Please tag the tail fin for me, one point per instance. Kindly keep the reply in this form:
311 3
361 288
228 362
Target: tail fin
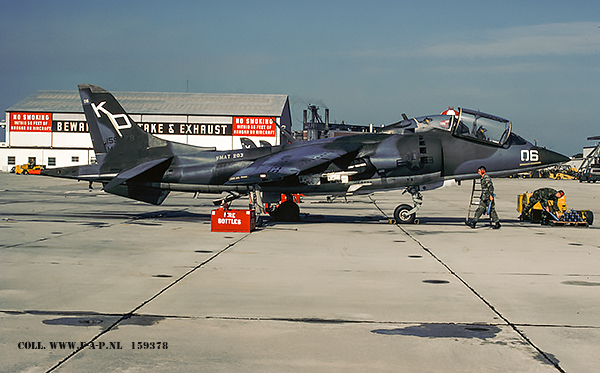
114 134
123 148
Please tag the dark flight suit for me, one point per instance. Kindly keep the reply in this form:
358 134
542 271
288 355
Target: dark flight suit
487 190
542 195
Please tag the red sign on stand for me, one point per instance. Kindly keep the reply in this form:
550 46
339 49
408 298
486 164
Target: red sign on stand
222 220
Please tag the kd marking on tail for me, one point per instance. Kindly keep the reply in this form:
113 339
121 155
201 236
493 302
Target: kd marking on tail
113 118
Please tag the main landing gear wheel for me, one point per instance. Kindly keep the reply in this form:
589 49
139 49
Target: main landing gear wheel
402 216
287 211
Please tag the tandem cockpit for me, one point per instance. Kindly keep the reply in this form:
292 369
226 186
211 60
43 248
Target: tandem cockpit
465 123
482 127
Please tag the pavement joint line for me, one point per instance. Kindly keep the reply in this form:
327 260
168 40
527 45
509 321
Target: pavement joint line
108 225
309 320
488 304
127 221
132 312
53 236
299 320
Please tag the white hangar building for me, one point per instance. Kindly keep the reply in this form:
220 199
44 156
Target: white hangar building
50 127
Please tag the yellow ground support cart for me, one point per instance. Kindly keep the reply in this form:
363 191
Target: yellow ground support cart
565 217
28 169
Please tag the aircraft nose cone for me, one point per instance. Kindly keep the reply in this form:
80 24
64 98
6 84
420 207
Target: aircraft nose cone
551 157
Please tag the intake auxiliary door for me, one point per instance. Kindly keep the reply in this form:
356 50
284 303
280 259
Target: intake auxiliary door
430 155
408 155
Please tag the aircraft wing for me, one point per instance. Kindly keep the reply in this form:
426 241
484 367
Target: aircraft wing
286 163
160 164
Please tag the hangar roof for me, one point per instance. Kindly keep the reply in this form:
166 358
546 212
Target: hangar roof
161 103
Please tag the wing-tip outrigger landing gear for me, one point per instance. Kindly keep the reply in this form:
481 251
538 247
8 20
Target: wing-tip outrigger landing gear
405 213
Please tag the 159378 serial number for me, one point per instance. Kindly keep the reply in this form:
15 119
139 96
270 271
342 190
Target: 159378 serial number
149 345
92 345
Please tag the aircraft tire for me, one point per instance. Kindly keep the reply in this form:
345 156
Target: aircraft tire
401 214
589 217
288 211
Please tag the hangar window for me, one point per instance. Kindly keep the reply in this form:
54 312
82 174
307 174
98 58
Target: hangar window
74 159
51 161
12 160
482 127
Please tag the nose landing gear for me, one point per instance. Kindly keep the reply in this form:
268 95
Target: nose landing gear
406 214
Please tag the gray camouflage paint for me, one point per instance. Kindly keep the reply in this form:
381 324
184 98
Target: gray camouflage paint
135 164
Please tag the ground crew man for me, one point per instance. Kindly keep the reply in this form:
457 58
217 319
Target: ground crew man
543 195
486 201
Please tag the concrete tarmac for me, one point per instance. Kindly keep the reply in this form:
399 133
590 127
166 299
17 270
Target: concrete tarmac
95 282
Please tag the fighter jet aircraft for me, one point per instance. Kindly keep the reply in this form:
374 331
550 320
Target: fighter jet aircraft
417 154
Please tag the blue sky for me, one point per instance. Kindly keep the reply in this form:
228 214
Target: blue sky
536 63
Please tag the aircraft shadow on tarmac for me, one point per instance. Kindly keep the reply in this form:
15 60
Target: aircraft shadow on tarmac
173 215
341 219
143 218
483 222
335 219
95 218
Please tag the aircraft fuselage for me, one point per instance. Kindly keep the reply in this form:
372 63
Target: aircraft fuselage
420 152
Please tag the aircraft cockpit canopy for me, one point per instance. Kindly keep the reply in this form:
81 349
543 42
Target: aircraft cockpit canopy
482 127
470 124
